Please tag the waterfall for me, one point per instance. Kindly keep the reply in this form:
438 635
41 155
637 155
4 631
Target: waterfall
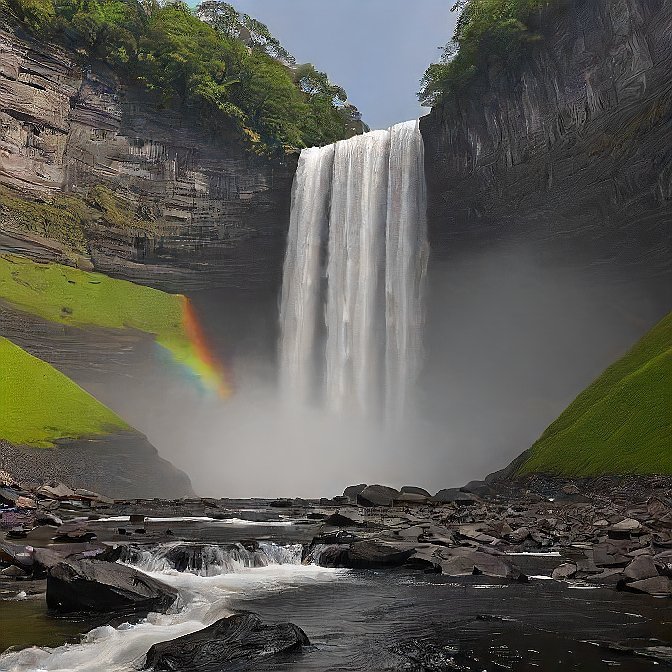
352 310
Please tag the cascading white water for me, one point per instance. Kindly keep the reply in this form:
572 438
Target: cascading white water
205 590
351 324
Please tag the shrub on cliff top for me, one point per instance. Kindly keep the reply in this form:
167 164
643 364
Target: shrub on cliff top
225 66
485 30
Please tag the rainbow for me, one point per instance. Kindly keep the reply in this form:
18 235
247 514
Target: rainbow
189 351
213 373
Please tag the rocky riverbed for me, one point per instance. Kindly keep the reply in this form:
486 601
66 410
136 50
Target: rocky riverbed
537 574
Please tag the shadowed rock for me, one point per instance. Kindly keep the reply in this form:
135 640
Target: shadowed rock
98 586
352 491
238 643
377 495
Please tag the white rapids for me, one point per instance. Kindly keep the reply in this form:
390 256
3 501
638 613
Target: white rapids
352 298
204 597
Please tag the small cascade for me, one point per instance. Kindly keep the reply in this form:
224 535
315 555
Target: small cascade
352 298
210 559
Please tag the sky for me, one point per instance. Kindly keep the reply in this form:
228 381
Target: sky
376 49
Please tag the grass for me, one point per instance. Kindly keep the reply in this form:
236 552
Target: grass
84 299
40 405
621 424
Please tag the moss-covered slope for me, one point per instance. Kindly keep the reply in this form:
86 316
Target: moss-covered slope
83 299
621 424
39 405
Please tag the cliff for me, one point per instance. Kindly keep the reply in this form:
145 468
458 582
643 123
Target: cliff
212 212
574 139
550 213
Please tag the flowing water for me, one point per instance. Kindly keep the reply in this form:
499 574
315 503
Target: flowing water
205 595
352 299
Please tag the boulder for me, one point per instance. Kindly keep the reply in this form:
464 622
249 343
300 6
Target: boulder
15 554
282 504
55 491
414 490
99 586
658 586
520 535
462 562
478 488
23 502
240 642
410 499
352 491
339 520
641 568
328 555
14 572
564 571
370 554
377 495
454 496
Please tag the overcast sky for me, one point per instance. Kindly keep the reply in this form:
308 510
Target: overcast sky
376 49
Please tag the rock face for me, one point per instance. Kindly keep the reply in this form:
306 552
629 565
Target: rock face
238 642
92 585
217 206
553 173
576 136
122 465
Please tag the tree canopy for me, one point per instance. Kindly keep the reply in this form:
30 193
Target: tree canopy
224 64
485 30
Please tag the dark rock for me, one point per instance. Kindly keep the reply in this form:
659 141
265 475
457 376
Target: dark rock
98 586
15 554
47 518
565 571
17 533
136 519
316 516
239 642
77 534
478 488
371 554
658 586
339 520
282 503
454 496
413 490
352 491
462 562
14 572
641 568
410 499
377 495
328 555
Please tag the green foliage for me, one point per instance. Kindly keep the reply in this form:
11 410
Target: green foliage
225 66
485 30
40 405
622 423
66 219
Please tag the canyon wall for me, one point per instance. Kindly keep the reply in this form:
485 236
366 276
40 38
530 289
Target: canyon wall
219 212
574 138
550 220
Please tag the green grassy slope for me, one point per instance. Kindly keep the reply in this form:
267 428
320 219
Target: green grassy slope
621 424
39 405
83 299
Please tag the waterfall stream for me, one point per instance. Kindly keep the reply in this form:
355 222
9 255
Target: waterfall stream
352 298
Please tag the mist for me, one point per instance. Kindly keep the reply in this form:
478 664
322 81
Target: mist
511 337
